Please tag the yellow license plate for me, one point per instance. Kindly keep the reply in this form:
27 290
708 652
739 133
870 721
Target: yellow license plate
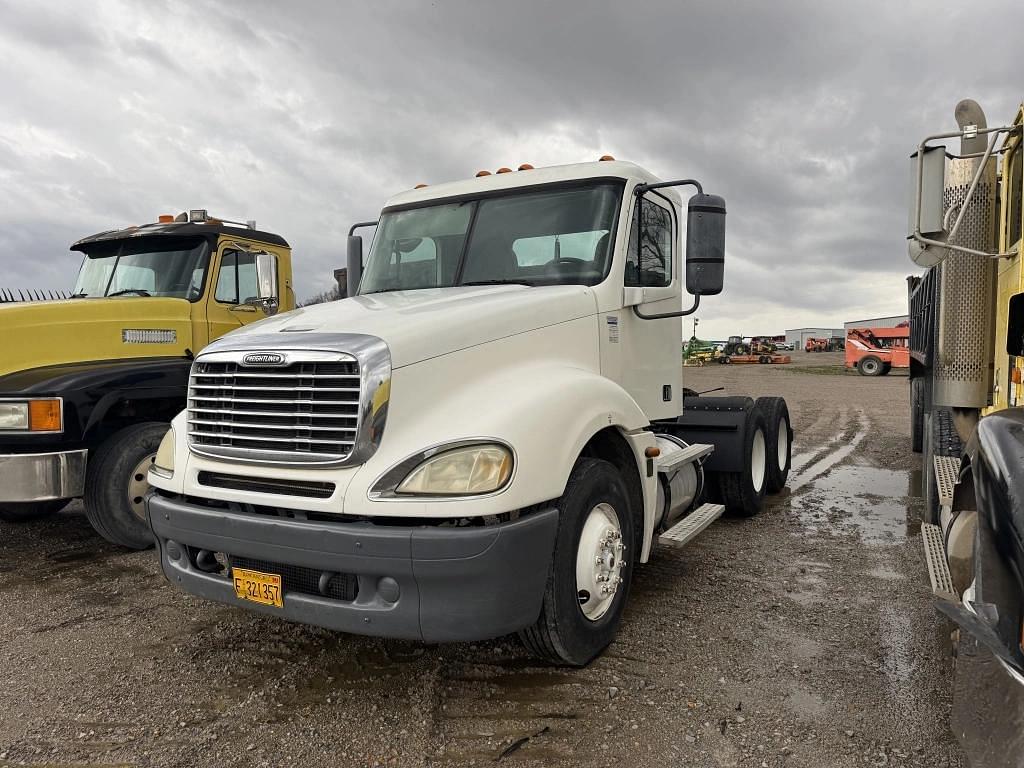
258 587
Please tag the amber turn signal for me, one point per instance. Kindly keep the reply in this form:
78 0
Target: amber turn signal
1015 375
653 452
44 415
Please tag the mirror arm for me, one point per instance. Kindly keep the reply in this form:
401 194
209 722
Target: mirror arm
360 225
642 188
684 313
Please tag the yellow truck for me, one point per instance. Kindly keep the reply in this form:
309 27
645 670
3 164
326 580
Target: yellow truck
967 413
89 384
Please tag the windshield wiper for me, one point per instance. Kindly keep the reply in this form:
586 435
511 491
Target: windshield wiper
509 281
78 295
140 291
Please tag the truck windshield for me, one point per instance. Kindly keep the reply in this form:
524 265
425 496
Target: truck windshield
172 267
552 237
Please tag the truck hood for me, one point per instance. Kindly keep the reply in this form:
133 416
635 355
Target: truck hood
418 325
46 333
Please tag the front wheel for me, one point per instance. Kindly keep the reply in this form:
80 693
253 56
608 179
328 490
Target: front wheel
116 484
591 568
22 512
869 366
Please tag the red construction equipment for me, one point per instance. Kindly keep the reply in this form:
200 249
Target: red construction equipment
816 345
876 351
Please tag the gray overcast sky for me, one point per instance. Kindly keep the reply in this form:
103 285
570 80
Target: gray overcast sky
306 116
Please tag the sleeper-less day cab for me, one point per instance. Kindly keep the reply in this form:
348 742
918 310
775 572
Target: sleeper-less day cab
89 384
487 438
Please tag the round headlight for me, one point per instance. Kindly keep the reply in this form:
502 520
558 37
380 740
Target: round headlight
466 471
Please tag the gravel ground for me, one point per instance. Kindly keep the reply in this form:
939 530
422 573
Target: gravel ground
802 637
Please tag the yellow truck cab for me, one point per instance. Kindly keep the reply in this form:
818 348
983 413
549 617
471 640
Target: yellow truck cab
89 384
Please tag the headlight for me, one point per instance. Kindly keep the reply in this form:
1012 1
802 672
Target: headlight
32 416
473 469
14 416
163 464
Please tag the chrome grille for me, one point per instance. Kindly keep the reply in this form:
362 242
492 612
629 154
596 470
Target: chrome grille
303 412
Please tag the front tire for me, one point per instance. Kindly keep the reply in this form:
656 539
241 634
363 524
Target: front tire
869 366
780 442
22 512
116 485
591 568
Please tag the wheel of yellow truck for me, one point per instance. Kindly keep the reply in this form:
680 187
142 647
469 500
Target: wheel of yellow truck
22 512
116 485
591 568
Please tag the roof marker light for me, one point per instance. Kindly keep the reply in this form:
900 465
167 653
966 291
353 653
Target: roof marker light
165 218
419 186
482 173
525 167
605 158
503 169
198 215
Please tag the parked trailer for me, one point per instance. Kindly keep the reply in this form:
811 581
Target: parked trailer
487 438
967 415
876 351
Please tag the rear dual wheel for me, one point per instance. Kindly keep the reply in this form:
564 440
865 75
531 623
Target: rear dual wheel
779 443
743 492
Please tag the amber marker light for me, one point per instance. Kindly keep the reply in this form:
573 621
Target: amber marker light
605 158
419 186
652 452
44 416
504 170
525 167
165 218
482 173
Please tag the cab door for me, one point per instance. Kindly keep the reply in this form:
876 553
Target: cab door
244 289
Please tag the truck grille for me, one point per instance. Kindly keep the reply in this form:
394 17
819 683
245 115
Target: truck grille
304 412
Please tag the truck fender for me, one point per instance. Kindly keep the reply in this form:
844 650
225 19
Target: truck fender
719 421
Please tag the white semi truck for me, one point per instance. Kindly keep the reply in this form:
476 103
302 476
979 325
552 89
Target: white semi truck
487 437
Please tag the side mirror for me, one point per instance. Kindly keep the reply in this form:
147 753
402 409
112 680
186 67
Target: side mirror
266 281
354 263
926 209
705 245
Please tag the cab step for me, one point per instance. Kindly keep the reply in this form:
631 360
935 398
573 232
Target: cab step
687 529
935 557
947 473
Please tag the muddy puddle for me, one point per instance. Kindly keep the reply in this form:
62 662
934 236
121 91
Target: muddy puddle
882 506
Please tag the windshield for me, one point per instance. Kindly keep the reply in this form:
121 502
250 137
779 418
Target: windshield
166 267
557 237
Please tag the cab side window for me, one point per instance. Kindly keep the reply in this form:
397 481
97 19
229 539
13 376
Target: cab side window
650 264
236 282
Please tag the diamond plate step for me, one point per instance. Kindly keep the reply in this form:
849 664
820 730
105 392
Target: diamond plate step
947 472
687 529
935 557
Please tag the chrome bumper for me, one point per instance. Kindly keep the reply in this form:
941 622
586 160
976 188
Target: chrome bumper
42 476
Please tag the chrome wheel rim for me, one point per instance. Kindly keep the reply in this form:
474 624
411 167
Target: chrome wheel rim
783 443
758 455
600 559
138 485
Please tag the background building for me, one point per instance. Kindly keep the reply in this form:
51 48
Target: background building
877 322
799 336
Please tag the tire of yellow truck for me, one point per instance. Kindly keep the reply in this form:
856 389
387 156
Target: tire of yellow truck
779 442
115 484
22 512
591 568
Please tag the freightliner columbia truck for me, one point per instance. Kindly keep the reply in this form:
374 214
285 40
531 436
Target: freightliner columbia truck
967 414
88 385
487 438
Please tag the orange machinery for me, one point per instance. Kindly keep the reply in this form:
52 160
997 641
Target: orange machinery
876 351
816 345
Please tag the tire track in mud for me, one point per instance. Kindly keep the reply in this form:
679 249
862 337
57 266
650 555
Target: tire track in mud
837 448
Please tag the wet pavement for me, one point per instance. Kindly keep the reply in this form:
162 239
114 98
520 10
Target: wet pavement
802 637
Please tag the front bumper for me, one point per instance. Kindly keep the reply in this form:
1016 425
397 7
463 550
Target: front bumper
428 583
27 477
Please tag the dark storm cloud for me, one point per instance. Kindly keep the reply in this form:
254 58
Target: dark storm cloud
307 116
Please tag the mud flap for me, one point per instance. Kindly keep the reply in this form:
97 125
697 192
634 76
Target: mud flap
718 421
